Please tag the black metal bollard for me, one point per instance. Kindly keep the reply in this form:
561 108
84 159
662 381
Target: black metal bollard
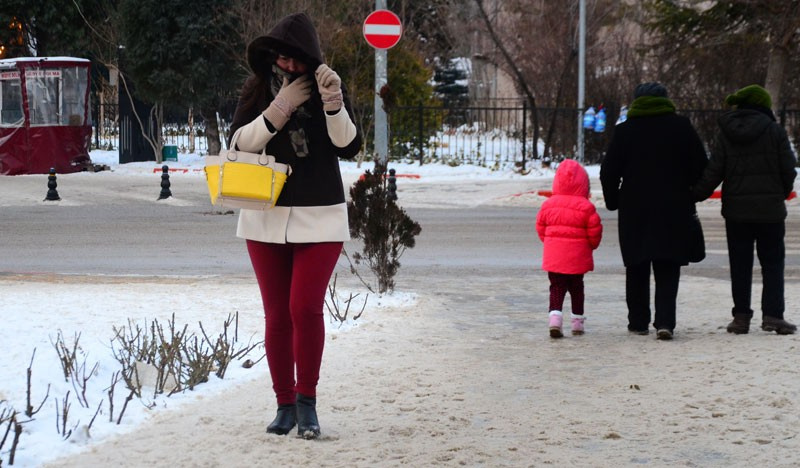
52 193
392 185
165 192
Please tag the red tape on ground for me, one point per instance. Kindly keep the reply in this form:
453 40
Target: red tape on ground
181 170
405 176
716 194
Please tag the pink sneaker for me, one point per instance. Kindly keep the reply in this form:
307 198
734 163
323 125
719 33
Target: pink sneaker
556 319
577 324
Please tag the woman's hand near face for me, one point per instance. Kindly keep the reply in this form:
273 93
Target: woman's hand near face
289 98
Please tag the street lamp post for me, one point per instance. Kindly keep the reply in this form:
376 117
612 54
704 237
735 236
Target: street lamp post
581 74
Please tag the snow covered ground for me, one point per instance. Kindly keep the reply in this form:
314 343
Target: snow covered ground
459 372
41 314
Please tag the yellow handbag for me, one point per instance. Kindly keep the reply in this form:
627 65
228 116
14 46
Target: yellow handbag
238 179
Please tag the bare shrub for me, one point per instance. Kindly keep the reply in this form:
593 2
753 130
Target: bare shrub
335 307
223 350
8 418
66 354
29 411
179 360
79 380
62 418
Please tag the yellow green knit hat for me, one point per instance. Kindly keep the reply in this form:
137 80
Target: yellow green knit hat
753 95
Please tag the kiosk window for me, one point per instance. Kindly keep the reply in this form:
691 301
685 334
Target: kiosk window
11 103
43 96
73 97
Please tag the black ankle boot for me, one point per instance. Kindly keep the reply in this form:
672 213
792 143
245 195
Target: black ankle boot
778 325
284 421
740 325
307 423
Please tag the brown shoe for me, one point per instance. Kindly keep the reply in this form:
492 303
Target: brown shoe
778 325
740 324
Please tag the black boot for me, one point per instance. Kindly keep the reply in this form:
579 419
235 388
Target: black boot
778 325
307 423
740 324
284 421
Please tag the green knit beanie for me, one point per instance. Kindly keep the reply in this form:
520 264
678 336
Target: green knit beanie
753 95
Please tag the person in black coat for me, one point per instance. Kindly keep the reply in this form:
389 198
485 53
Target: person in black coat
754 161
653 160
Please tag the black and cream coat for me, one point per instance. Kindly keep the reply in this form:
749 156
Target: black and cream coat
311 207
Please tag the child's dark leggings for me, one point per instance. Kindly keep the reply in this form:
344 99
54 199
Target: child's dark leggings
560 284
293 279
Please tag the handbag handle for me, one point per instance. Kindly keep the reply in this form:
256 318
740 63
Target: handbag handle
263 158
236 138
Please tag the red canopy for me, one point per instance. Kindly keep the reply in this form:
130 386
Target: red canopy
45 120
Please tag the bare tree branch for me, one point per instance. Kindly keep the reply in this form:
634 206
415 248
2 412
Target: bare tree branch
520 78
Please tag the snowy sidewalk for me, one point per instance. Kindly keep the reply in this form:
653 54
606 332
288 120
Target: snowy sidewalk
469 377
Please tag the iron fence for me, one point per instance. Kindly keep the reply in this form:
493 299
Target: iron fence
105 131
489 136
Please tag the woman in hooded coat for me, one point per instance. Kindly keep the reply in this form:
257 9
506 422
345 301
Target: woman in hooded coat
653 160
296 107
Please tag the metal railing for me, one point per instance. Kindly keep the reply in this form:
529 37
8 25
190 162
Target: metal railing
489 136
105 131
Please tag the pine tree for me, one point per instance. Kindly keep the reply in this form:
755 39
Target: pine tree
384 228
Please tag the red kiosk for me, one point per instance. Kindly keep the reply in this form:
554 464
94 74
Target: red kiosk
45 120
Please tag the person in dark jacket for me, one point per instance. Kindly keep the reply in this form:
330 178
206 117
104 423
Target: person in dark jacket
296 107
754 162
653 160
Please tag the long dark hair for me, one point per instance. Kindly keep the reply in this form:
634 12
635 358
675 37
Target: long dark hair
254 93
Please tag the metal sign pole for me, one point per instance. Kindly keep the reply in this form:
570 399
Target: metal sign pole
381 128
581 74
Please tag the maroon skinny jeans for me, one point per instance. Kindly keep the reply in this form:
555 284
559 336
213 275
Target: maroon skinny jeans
293 279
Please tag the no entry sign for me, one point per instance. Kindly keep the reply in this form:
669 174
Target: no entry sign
382 29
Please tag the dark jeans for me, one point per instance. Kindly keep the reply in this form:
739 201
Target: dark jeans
560 284
768 240
637 294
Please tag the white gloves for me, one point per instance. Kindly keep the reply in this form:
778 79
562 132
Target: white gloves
290 96
330 88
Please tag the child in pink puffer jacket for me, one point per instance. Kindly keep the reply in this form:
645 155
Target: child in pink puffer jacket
570 228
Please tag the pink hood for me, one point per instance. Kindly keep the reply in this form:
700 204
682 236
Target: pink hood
571 179
568 222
